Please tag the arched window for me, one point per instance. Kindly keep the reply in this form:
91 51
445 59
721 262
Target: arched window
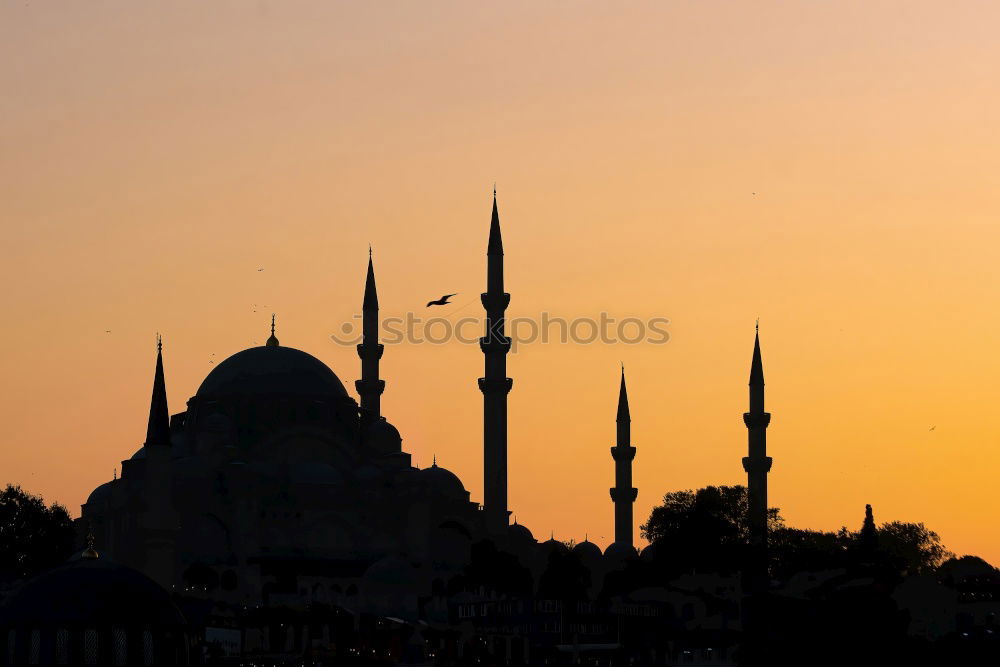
90 646
35 647
147 647
62 646
119 646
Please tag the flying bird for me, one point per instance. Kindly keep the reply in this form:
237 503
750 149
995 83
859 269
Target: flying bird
260 269
442 301
932 428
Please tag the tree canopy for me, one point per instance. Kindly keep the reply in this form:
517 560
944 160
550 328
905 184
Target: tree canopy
707 528
33 536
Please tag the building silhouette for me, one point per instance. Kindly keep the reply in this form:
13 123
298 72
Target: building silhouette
495 384
623 494
278 520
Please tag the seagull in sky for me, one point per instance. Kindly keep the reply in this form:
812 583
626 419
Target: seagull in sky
442 301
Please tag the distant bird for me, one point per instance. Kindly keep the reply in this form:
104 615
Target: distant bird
107 331
442 301
260 269
932 428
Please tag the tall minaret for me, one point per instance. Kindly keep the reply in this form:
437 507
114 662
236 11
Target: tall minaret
757 464
370 387
159 520
623 494
495 385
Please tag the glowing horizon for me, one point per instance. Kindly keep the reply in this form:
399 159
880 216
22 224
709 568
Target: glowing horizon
828 169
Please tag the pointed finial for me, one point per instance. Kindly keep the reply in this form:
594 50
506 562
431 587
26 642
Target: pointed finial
159 342
515 519
114 474
623 412
273 340
494 189
90 553
756 326
756 365
434 461
369 251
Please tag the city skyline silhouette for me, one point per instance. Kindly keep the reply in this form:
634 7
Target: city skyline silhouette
691 174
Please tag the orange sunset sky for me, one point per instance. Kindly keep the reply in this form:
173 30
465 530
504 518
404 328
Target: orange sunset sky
831 167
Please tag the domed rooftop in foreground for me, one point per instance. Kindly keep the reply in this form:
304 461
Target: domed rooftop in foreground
272 370
92 610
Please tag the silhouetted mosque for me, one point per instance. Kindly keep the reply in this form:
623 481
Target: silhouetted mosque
275 481
274 488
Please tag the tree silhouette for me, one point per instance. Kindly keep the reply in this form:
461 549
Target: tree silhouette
704 529
33 536
911 547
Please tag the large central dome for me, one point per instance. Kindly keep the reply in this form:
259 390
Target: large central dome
271 370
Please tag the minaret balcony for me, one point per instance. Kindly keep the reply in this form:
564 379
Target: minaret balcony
757 464
369 386
495 301
626 494
756 419
369 350
620 453
494 344
495 385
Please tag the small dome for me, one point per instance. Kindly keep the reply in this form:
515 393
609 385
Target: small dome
520 533
96 591
619 551
552 544
648 553
100 495
587 549
139 454
440 480
383 437
272 370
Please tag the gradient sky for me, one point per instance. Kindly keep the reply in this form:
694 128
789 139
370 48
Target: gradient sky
154 155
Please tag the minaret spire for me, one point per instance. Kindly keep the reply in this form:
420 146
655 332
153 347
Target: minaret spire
158 428
623 494
159 521
757 463
370 387
495 384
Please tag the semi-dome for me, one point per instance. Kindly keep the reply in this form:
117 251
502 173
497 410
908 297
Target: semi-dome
100 495
440 480
520 532
383 437
272 370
